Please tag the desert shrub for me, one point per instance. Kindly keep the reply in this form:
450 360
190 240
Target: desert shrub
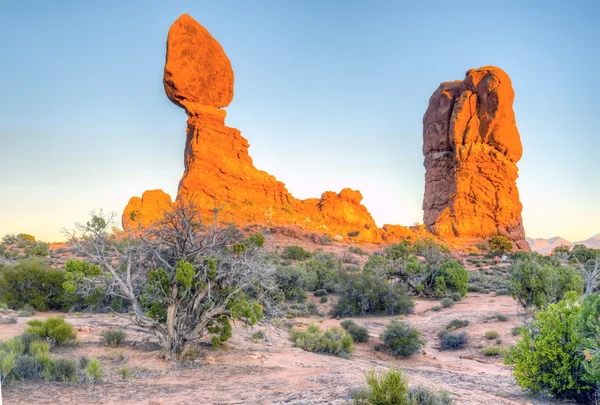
491 334
436 308
492 351
502 318
3 306
356 250
448 302
64 370
257 239
402 339
93 371
456 297
425 396
295 253
503 291
389 388
323 300
452 278
536 281
364 294
302 309
2 249
26 311
334 341
358 333
500 244
124 373
9 239
37 249
377 264
560 352
456 324
54 330
27 368
113 337
293 281
257 336
453 341
517 330
32 282
7 321
320 293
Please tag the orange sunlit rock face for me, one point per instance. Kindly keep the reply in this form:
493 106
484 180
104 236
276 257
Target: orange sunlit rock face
218 169
471 146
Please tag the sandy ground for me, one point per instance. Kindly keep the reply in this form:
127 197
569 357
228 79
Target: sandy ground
272 371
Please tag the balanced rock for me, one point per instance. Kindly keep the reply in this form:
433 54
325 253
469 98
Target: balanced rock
219 172
471 146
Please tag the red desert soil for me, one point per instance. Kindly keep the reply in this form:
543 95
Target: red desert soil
274 372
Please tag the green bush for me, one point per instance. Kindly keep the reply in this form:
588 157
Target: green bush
26 311
425 396
453 341
64 370
436 308
365 294
93 371
537 281
456 324
37 249
503 291
323 299
448 302
27 367
491 334
295 253
402 339
502 318
320 293
452 278
499 245
560 352
55 330
256 239
334 341
359 333
113 337
456 297
391 388
492 351
32 282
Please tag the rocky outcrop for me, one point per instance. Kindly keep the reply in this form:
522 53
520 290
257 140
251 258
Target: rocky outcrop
219 172
146 210
471 146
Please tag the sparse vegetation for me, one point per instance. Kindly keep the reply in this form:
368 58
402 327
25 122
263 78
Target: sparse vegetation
402 339
499 245
447 302
334 341
492 351
491 335
365 294
453 341
54 330
456 324
359 333
113 337
295 253
391 388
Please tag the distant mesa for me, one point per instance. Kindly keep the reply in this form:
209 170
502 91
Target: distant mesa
218 169
471 146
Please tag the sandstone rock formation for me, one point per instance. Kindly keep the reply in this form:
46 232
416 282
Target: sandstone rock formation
471 146
218 169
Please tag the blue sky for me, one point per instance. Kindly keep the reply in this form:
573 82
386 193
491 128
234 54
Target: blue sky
330 94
